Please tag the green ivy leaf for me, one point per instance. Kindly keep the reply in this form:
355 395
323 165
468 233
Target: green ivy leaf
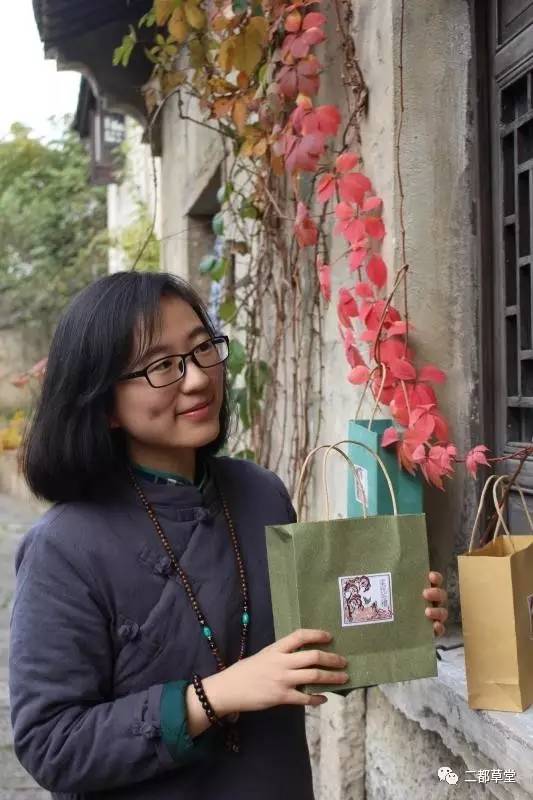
246 453
207 263
219 270
256 377
227 310
218 225
147 19
241 399
224 193
237 357
239 6
122 53
248 210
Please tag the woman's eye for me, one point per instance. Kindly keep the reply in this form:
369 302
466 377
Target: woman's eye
161 366
205 347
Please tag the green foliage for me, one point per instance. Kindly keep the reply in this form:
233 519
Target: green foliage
53 238
122 53
133 238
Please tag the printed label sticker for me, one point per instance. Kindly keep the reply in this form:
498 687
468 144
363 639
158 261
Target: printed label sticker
366 599
361 485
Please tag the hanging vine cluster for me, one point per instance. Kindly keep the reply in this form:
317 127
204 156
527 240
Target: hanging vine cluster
295 180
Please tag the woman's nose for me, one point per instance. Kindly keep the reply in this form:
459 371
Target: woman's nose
195 377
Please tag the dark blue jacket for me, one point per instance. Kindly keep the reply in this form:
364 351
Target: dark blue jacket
101 627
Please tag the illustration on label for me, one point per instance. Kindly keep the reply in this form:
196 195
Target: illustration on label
366 599
530 610
361 485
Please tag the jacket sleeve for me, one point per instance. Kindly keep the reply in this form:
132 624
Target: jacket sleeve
68 734
282 489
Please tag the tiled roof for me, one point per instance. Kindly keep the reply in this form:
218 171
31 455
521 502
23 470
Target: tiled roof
58 20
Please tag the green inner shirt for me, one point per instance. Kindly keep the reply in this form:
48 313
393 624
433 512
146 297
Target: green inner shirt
174 477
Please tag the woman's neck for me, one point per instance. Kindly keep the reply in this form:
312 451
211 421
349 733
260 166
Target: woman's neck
181 463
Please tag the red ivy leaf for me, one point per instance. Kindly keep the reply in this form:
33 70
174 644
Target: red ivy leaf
363 289
359 374
377 271
402 369
352 187
375 227
475 458
390 436
372 204
431 374
326 187
346 162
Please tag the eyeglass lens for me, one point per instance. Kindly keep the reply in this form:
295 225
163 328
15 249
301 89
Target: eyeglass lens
171 369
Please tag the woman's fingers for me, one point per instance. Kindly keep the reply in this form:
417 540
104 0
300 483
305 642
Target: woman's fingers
301 677
301 638
437 614
435 578
296 698
315 658
435 595
438 628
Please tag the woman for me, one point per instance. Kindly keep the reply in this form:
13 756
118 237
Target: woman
148 575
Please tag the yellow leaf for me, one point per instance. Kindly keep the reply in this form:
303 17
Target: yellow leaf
240 114
163 9
196 54
226 54
258 27
220 23
170 80
222 106
221 86
249 45
177 26
195 16
243 80
261 147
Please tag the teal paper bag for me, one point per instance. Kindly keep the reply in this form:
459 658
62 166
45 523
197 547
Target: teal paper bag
362 580
370 482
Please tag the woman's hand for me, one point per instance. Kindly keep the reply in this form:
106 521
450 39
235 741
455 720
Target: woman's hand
436 595
271 677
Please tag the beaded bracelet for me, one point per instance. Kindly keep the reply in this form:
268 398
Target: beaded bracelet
204 702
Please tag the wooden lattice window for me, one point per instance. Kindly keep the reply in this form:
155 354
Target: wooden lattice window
516 165
505 105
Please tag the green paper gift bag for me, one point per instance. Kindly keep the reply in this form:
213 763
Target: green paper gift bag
370 484
361 580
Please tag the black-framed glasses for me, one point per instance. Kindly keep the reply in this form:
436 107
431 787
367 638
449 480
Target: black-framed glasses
171 368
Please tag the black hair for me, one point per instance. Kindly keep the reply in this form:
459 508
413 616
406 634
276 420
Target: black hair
69 450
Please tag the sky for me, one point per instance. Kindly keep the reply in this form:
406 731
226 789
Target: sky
31 88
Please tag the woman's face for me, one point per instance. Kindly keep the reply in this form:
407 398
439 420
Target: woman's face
160 431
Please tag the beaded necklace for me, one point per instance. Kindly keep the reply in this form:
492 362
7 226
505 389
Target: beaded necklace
231 737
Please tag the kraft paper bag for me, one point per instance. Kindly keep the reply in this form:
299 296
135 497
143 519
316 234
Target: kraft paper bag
361 580
370 484
496 592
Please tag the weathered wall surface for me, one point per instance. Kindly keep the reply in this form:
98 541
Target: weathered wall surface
192 156
359 745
